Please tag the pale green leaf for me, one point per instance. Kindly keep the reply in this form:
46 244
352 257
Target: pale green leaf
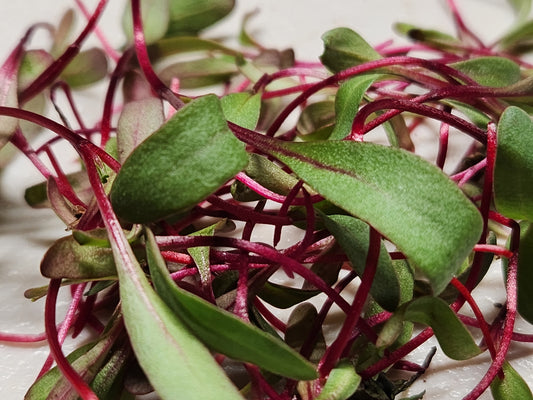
511 386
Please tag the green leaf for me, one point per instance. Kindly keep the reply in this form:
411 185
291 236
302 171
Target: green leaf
86 68
430 37
172 358
138 120
342 382
155 19
402 196
299 326
187 159
454 339
490 71
192 16
316 120
67 258
347 103
169 46
221 330
200 72
513 170
33 64
525 271
352 234
344 48
242 108
284 297
518 39
521 8
511 386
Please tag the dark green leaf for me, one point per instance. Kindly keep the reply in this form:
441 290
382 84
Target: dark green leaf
454 339
192 16
316 120
511 386
521 8
347 103
352 234
221 330
519 39
525 271
201 72
402 196
283 297
186 160
342 382
490 71
344 48
242 108
513 170
86 68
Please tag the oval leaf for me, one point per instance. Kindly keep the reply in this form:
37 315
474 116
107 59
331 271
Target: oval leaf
490 71
191 16
344 48
87 67
511 386
513 170
186 160
454 339
402 196
171 357
223 331
352 234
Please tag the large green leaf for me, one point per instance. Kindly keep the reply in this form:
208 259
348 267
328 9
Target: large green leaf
454 339
513 170
173 359
408 200
352 234
223 331
186 160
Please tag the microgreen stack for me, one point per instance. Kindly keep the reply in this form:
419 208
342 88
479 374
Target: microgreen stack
172 186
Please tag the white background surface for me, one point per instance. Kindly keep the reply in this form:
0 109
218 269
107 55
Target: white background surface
25 234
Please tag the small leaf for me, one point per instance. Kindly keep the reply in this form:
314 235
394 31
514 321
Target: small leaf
242 108
402 196
490 71
344 48
171 357
200 72
521 8
352 234
86 68
430 37
8 92
453 337
154 16
192 16
69 259
342 382
347 103
511 386
299 327
138 120
221 330
518 39
173 45
187 159
513 170
284 297
316 120
33 64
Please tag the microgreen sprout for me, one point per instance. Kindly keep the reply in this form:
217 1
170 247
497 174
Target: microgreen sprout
164 267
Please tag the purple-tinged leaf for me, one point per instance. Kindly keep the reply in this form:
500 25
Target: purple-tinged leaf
86 68
138 120
9 92
399 194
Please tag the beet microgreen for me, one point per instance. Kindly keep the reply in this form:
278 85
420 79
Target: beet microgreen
163 262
